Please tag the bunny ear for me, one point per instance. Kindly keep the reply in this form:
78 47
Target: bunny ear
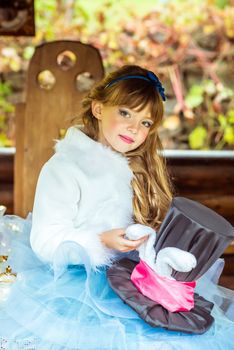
192 227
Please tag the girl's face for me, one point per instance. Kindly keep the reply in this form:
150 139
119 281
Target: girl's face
120 127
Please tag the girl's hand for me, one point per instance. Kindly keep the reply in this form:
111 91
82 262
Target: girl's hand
114 239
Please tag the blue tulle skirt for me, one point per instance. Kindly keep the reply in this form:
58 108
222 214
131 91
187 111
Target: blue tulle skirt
74 308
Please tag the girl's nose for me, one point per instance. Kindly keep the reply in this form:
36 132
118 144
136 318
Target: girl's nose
133 128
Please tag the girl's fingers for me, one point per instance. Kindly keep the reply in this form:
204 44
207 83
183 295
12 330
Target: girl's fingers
129 244
134 244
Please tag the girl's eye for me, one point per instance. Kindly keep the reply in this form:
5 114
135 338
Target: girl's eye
124 113
147 124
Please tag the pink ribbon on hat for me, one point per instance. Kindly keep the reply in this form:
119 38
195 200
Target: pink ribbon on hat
171 294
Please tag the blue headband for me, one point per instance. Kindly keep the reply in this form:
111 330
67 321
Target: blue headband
151 77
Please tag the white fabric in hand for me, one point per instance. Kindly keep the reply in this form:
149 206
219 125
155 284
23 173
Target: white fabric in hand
146 249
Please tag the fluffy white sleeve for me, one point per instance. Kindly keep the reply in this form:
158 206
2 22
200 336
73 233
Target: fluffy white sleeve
55 208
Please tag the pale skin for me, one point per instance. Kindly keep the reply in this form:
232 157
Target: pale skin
115 122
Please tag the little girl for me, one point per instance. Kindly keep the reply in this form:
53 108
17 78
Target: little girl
104 176
84 191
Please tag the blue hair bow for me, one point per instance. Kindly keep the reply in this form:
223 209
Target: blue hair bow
158 85
151 77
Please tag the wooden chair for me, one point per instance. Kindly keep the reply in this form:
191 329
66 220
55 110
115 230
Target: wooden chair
59 75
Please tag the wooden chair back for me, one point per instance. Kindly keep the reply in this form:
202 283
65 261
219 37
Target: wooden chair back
60 73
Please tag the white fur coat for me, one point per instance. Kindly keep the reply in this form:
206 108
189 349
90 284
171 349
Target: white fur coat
82 190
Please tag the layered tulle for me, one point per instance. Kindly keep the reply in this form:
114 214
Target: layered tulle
76 308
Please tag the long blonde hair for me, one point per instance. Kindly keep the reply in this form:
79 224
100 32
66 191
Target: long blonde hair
152 190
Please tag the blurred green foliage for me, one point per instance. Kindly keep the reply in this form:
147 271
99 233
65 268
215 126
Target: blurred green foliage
214 129
6 108
162 35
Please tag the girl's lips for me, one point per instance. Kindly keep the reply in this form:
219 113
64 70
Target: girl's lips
125 139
